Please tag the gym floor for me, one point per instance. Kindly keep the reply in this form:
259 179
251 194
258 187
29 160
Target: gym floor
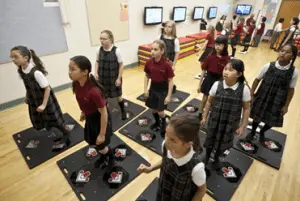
46 182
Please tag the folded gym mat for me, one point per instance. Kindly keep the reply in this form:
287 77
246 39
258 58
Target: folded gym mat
90 183
40 146
149 193
132 110
177 99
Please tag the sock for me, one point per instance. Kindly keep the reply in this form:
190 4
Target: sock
121 104
254 127
233 52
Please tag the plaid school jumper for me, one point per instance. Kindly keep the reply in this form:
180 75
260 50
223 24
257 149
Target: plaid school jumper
170 44
271 96
108 72
224 118
175 182
52 115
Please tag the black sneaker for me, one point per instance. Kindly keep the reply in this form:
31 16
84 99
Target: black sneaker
200 116
155 127
249 137
124 115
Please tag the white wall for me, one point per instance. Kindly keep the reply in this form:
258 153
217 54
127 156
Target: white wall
77 33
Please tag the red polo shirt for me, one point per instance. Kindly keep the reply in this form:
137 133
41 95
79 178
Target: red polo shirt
89 98
239 29
159 71
250 29
211 40
215 64
248 21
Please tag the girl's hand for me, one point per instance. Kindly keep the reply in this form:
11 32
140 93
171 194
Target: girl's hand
239 131
100 139
284 110
41 108
168 100
96 76
82 116
174 68
144 169
203 122
146 94
118 82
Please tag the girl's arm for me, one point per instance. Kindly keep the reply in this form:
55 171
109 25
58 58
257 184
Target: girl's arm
254 86
175 60
103 120
156 166
96 68
201 77
46 96
204 45
209 102
146 81
170 81
289 97
287 38
200 193
246 114
121 68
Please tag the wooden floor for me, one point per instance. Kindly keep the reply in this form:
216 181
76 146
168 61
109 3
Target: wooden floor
46 182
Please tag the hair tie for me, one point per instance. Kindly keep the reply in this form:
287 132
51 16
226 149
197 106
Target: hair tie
31 58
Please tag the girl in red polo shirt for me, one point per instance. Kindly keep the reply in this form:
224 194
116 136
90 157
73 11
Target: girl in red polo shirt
98 127
212 69
248 37
260 31
159 70
208 44
238 30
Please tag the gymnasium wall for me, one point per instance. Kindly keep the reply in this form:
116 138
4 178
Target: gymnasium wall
78 39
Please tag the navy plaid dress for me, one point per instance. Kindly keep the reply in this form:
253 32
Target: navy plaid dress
170 44
52 115
175 182
224 118
271 96
108 72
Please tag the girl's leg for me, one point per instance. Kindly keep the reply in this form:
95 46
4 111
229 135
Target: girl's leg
250 136
155 126
163 123
105 158
262 132
122 107
202 106
233 47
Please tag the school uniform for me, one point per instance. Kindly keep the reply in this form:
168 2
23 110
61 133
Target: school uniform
225 114
248 21
179 178
214 66
172 45
35 83
276 33
225 32
249 34
209 46
90 100
237 34
108 72
259 33
271 95
159 73
292 30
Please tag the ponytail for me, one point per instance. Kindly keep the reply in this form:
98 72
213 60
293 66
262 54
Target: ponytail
96 84
38 63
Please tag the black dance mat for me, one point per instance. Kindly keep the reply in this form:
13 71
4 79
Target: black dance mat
90 183
149 193
223 182
39 146
177 99
139 131
132 111
269 152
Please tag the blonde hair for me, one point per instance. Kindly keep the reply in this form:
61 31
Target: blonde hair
212 28
162 45
173 24
227 24
110 35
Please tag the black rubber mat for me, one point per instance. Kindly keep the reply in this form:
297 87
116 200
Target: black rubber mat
40 146
177 99
132 110
223 182
149 193
269 152
139 131
90 183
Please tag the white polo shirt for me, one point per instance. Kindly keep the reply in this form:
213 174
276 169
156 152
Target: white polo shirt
38 75
118 53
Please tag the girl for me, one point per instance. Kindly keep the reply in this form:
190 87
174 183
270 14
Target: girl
226 31
229 99
44 110
276 33
182 175
172 43
208 45
109 69
212 69
248 38
159 70
289 34
89 95
238 30
260 31
275 93
219 25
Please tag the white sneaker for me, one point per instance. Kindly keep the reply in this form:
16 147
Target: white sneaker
243 52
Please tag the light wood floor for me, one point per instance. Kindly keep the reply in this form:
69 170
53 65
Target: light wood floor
46 182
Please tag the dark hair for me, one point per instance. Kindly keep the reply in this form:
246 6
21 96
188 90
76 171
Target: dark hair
239 66
234 17
264 19
25 52
222 40
294 52
241 20
296 21
253 21
186 127
84 64
281 20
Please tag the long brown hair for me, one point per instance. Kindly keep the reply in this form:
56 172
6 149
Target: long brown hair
186 127
173 24
162 46
24 51
110 35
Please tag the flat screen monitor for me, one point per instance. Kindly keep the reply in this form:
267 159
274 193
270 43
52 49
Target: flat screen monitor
243 9
198 13
153 15
212 12
179 14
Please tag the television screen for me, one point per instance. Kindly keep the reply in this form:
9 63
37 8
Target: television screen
179 14
153 15
198 13
243 9
212 12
